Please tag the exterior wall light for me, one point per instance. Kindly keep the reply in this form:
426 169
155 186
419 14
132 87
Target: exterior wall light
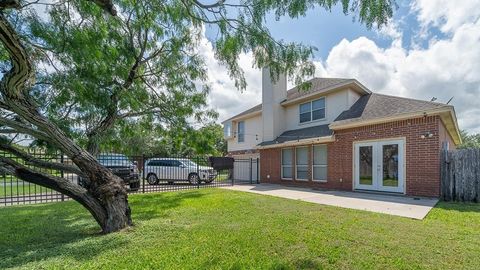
427 135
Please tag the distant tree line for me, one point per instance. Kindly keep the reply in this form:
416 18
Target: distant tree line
470 140
182 140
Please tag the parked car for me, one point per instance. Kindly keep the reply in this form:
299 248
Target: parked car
121 166
177 169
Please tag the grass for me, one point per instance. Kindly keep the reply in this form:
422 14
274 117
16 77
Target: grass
13 187
220 229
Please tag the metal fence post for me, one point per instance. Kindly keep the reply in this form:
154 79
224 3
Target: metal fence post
143 173
258 170
250 171
62 174
198 173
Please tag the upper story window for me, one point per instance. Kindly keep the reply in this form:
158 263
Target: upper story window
227 130
313 110
241 131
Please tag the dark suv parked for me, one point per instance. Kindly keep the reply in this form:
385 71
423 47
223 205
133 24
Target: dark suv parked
121 166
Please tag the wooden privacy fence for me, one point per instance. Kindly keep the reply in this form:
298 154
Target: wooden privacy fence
460 175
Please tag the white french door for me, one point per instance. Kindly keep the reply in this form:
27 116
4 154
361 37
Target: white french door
379 166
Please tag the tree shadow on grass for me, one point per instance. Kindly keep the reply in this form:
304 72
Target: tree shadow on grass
41 232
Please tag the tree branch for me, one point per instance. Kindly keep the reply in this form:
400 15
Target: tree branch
56 183
22 128
207 6
6 4
140 113
107 5
21 75
40 163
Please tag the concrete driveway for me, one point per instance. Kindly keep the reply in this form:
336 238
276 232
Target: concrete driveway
416 208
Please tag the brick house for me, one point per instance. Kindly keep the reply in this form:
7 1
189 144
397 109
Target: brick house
340 135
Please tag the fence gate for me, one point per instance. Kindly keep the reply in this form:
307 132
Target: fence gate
460 175
246 171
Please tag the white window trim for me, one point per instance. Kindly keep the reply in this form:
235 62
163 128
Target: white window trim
227 130
238 132
286 166
303 166
311 111
318 166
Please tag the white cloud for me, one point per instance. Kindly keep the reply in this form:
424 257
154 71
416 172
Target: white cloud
446 67
224 97
448 15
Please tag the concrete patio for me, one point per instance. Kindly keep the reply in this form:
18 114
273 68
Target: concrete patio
410 207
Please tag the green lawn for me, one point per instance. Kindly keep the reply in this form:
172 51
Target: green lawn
219 229
13 187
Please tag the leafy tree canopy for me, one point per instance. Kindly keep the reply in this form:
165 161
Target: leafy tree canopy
469 140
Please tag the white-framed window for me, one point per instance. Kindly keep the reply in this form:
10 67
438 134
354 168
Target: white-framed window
319 164
301 163
287 163
227 130
241 131
313 110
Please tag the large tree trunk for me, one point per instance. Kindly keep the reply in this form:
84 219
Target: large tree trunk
97 134
108 204
111 193
105 197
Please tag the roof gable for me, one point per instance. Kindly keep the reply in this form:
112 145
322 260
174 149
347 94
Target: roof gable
318 85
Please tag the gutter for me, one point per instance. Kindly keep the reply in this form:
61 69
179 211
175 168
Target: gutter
315 140
245 116
355 85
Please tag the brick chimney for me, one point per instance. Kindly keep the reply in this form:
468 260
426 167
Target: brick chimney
273 114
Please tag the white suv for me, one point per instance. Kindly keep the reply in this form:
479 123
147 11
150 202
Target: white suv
177 169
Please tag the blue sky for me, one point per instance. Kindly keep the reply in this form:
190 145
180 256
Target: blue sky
429 49
322 29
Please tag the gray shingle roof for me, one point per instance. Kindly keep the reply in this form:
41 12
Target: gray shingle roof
255 108
318 85
374 106
300 134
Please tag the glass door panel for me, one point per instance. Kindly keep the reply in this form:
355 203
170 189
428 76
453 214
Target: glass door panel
365 165
390 165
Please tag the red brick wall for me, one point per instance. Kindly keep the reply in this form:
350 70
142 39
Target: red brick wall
422 156
270 162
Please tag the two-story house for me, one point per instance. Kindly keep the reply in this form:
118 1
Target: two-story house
340 135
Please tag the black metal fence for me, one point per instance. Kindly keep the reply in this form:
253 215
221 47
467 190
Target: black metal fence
141 174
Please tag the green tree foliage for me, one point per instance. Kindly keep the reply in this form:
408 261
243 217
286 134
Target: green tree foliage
469 140
176 141
139 68
205 141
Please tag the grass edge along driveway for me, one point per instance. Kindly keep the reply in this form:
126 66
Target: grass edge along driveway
220 229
